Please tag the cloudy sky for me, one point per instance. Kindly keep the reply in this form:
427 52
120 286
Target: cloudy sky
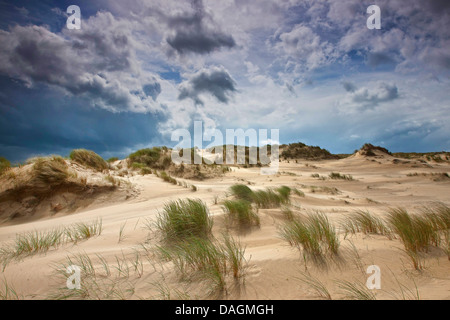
139 69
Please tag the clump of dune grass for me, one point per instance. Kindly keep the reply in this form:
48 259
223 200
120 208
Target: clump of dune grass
355 290
324 189
83 231
318 176
267 198
167 178
319 288
338 176
137 165
98 282
285 193
88 159
418 232
5 165
34 242
146 170
234 253
155 158
49 171
438 214
112 180
272 198
242 192
313 235
168 293
7 292
208 260
241 212
364 222
287 213
298 192
184 218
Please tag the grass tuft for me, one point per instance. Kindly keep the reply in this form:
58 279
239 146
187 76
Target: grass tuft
418 232
210 261
50 171
314 283
338 176
242 192
184 218
355 290
5 165
241 211
314 235
30 243
88 159
363 221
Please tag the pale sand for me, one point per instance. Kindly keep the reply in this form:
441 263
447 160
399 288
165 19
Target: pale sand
274 267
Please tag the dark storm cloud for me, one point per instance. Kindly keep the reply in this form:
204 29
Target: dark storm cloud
39 121
153 90
375 59
215 81
438 6
349 86
97 61
199 41
196 32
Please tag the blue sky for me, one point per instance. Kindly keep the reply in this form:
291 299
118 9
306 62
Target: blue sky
138 70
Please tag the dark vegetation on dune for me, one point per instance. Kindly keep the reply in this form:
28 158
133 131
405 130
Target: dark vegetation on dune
368 150
159 158
241 155
4 165
155 158
302 151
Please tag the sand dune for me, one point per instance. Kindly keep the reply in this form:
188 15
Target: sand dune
274 269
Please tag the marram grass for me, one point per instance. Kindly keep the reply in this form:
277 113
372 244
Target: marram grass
184 218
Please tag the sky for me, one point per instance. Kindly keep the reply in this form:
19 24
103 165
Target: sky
138 70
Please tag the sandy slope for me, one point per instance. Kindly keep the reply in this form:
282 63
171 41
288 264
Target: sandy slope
274 268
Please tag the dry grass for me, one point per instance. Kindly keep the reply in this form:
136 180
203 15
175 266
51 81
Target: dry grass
89 159
48 172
